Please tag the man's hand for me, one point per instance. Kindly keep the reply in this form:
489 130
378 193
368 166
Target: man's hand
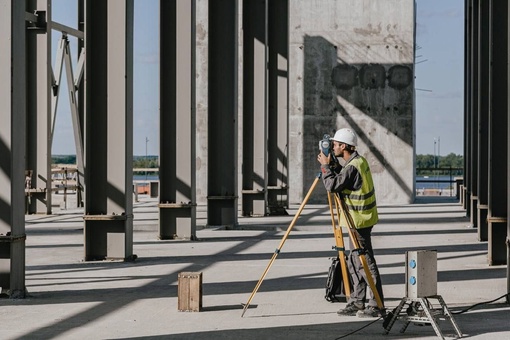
323 159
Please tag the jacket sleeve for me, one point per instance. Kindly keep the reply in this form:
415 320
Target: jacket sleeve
336 181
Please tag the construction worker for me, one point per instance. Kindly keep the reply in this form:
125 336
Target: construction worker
354 182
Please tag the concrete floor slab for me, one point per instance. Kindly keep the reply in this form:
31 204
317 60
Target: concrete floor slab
72 299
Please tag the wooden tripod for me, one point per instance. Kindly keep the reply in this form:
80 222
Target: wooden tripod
355 242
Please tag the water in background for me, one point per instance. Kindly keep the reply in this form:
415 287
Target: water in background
434 185
150 177
444 187
419 185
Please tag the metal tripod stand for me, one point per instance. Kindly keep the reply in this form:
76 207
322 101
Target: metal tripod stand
337 230
420 311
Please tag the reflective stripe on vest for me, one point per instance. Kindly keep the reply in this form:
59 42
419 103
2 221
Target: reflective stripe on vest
361 203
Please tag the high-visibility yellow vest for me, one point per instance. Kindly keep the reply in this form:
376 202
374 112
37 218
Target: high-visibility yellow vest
361 203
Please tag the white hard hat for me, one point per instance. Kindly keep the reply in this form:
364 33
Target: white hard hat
346 136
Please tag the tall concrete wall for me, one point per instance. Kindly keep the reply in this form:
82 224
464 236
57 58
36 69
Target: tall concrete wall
351 65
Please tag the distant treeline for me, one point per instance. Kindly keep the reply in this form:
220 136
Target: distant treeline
63 159
430 162
145 162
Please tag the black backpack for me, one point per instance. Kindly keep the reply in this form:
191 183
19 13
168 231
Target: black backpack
335 287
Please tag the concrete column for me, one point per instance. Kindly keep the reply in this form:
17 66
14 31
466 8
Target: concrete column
498 136
109 130
484 93
39 75
222 119
177 196
12 147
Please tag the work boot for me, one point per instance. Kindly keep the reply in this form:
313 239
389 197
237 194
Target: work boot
371 312
351 309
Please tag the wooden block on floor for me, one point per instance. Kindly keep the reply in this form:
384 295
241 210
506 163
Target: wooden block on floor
189 292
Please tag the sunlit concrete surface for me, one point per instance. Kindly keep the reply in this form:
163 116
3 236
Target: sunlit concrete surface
72 299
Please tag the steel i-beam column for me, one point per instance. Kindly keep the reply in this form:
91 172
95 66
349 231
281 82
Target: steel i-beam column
484 94
265 103
12 147
278 113
473 122
498 137
468 39
109 130
177 195
38 109
508 167
222 116
255 115
81 104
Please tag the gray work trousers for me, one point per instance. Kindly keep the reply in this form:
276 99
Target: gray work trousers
359 279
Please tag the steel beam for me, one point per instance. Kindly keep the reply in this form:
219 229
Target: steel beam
278 107
473 122
255 113
484 94
507 12
498 136
177 195
80 83
39 110
468 23
222 116
108 130
73 86
265 103
12 147
43 89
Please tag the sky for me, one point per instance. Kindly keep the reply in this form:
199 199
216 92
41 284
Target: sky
439 77
439 81
145 83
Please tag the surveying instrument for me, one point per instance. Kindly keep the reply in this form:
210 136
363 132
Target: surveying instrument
340 207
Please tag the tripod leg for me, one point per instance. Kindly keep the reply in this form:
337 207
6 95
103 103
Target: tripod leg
277 251
339 241
362 257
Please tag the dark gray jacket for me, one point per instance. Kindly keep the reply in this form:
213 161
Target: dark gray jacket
335 180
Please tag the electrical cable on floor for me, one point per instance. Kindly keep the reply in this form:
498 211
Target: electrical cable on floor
481 303
459 312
